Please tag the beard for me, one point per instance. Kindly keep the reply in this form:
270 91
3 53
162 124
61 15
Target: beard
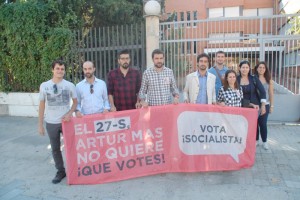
203 67
159 65
88 75
125 66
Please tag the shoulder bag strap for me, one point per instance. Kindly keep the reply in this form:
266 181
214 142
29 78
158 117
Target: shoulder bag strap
219 75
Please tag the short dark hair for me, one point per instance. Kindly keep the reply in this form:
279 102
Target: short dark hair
203 55
225 82
220 52
123 51
59 62
267 73
157 51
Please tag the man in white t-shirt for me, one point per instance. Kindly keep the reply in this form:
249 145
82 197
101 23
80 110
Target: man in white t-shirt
54 107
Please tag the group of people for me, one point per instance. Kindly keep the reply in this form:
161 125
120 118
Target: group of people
127 89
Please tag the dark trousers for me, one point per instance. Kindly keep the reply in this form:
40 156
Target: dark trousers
54 131
262 125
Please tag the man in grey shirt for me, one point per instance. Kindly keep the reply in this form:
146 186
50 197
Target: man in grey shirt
54 107
158 83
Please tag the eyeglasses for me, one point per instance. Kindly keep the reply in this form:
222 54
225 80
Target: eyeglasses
91 89
55 90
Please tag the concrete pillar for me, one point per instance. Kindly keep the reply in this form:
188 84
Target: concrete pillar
152 10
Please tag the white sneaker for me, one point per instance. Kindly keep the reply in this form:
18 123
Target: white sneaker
265 145
257 142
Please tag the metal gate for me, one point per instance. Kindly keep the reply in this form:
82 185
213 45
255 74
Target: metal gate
101 46
274 39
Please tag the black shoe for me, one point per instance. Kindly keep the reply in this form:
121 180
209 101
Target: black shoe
59 176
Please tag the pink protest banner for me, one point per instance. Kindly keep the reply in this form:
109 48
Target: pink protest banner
173 138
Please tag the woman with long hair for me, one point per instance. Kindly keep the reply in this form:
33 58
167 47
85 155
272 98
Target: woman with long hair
251 85
262 71
230 94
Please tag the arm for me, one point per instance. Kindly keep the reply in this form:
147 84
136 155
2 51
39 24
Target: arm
105 99
214 93
220 99
110 90
186 91
41 117
262 94
271 95
68 115
174 89
143 91
78 107
138 87
111 102
73 95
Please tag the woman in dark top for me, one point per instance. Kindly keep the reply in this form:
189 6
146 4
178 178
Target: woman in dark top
250 85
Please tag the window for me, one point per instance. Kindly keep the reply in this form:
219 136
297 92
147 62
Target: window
182 48
265 11
188 18
181 18
214 38
232 11
215 12
195 17
175 20
250 12
188 47
250 38
195 47
231 35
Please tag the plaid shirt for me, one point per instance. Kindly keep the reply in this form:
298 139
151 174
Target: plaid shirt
124 89
158 86
230 97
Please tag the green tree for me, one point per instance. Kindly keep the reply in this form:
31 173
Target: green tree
29 43
116 12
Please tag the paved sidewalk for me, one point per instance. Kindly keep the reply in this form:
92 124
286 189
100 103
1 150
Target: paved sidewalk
27 169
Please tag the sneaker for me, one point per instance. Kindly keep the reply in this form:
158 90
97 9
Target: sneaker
257 142
59 176
265 145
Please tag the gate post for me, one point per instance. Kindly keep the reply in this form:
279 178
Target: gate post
152 12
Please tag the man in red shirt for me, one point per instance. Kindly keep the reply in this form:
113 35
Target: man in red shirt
124 84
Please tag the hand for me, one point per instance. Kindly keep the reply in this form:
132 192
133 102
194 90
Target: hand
105 111
271 109
176 100
113 109
221 103
78 114
144 104
67 117
263 110
138 105
254 106
41 130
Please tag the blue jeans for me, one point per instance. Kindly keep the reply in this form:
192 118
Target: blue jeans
262 125
54 131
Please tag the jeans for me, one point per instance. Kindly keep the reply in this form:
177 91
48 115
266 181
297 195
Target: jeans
54 131
262 125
